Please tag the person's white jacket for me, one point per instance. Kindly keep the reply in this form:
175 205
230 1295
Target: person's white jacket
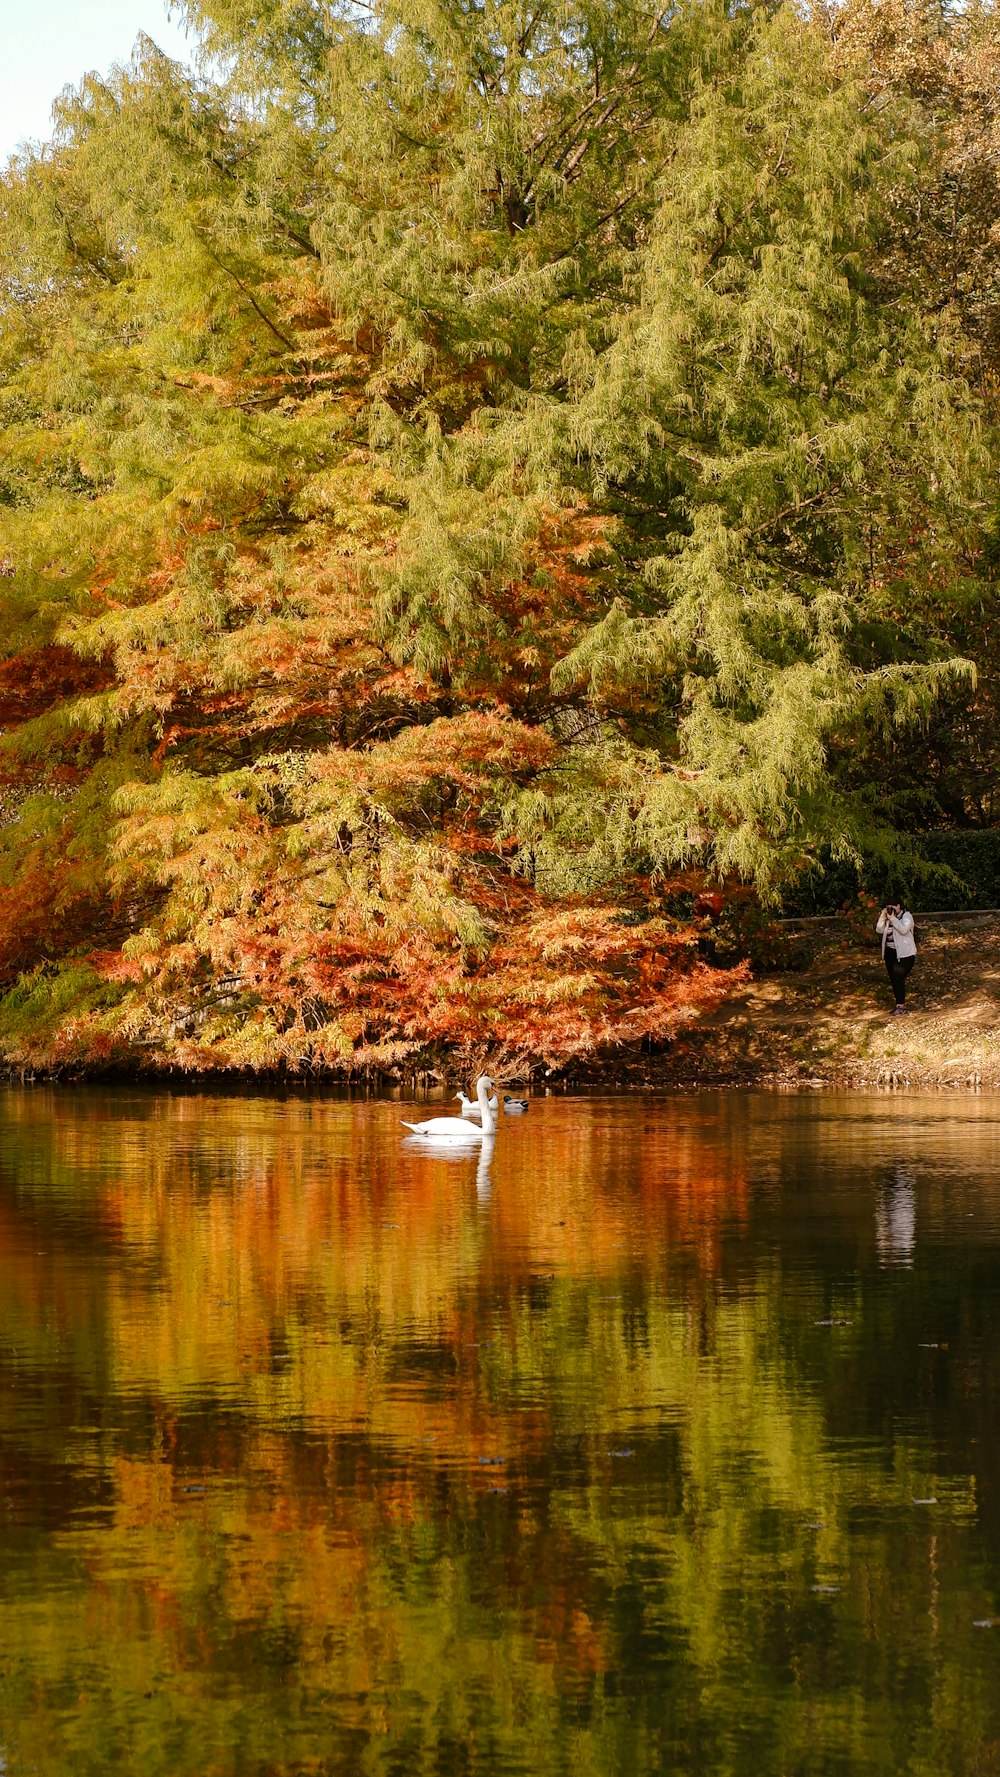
902 930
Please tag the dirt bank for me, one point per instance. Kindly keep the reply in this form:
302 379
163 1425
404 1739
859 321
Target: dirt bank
829 1021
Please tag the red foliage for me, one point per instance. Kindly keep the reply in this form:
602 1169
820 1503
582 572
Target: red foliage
32 683
49 913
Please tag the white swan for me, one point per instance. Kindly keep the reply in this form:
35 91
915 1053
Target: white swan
471 1109
460 1128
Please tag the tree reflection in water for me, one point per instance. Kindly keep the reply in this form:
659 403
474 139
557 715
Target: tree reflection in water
320 1453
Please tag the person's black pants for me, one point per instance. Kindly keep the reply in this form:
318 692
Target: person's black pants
898 967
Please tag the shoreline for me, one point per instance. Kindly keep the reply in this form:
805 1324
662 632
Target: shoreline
920 1082
819 1021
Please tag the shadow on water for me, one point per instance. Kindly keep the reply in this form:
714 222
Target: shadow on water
654 1434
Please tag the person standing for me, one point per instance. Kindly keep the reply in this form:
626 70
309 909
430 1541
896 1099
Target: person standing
899 949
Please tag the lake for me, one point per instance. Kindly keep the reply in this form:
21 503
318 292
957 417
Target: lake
664 1439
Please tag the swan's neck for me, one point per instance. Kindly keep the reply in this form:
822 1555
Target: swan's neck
482 1093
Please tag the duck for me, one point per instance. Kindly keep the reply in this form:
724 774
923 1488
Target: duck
514 1106
460 1128
471 1109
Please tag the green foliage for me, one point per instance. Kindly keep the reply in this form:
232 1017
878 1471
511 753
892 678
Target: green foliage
760 413
63 1016
946 868
968 865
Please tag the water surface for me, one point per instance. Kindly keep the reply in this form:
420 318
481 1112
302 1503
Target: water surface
664 1440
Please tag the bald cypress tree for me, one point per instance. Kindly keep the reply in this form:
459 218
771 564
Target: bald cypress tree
790 456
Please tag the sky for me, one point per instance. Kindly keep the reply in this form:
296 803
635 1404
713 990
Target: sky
49 44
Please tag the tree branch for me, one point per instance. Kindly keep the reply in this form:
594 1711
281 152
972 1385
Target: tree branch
248 293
